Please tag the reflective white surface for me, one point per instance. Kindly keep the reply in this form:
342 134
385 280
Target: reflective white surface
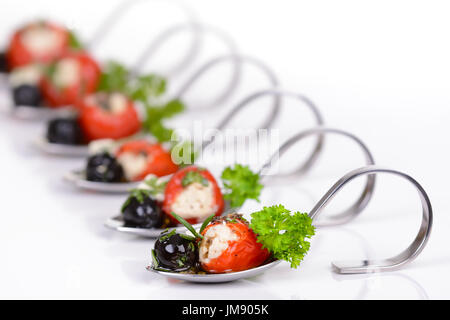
387 82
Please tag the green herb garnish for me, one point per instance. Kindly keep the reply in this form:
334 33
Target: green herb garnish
187 237
145 89
240 184
114 78
194 176
74 41
155 114
154 259
151 85
206 222
187 225
283 233
166 234
155 185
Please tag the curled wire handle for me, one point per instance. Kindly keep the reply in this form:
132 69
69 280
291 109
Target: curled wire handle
245 102
362 201
277 93
401 259
163 37
232 56
118 13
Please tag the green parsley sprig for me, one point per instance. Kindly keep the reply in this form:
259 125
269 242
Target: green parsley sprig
155 116
74 41
240 184
155 185
283 233
145 89
116 77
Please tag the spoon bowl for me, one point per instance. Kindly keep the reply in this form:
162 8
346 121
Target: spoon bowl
31 113
59 149
215 278
118 224
78 179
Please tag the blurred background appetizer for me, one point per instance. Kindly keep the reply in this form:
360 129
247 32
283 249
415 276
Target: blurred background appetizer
32 52
121 107
37 42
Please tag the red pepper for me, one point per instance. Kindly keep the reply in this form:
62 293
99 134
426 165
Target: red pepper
241 254
159 160
175 187
86 83
99 123
18 54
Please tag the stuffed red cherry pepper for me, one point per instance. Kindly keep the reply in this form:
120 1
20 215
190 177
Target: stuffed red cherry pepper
230 245
38 42
140 158
193 194
68 79
108 116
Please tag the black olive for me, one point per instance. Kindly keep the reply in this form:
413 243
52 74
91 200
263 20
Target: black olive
27 95
104 168
64 131
3 63
174 252
142 212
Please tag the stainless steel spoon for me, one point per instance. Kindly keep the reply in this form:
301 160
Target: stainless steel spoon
345 267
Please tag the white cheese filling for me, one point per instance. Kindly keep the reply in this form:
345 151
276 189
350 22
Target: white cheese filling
133 164
67 72
40 40
102 145
117 103
195 201
215 241
29 74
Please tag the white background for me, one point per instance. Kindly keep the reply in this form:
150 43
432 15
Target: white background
379 69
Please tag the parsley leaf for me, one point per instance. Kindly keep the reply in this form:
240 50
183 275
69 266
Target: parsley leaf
114 77
283 233
155 186
74 42
151 85
240 184
117 78
194 176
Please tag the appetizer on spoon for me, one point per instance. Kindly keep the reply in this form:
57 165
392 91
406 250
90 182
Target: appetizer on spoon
231 246
112 112
30 58
192 193
214 254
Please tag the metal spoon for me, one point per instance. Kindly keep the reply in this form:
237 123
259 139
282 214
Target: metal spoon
346 267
